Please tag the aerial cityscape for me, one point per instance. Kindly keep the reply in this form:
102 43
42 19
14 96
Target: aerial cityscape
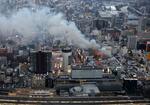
74 52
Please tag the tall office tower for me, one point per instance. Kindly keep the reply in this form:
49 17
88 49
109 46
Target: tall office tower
41 62
3 56
132 42
66 58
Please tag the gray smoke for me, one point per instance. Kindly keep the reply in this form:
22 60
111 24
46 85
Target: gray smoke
31 23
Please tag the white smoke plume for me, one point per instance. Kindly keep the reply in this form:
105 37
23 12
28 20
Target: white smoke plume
31 23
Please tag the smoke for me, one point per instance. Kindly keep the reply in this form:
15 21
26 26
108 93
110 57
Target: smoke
31 23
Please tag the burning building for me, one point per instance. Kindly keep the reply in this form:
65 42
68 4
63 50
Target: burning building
57 64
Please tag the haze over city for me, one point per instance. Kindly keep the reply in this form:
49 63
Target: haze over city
76 52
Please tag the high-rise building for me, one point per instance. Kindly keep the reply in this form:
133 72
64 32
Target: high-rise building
41 62
3 56
66 57
132 42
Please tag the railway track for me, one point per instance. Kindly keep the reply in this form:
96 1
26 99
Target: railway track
75 100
